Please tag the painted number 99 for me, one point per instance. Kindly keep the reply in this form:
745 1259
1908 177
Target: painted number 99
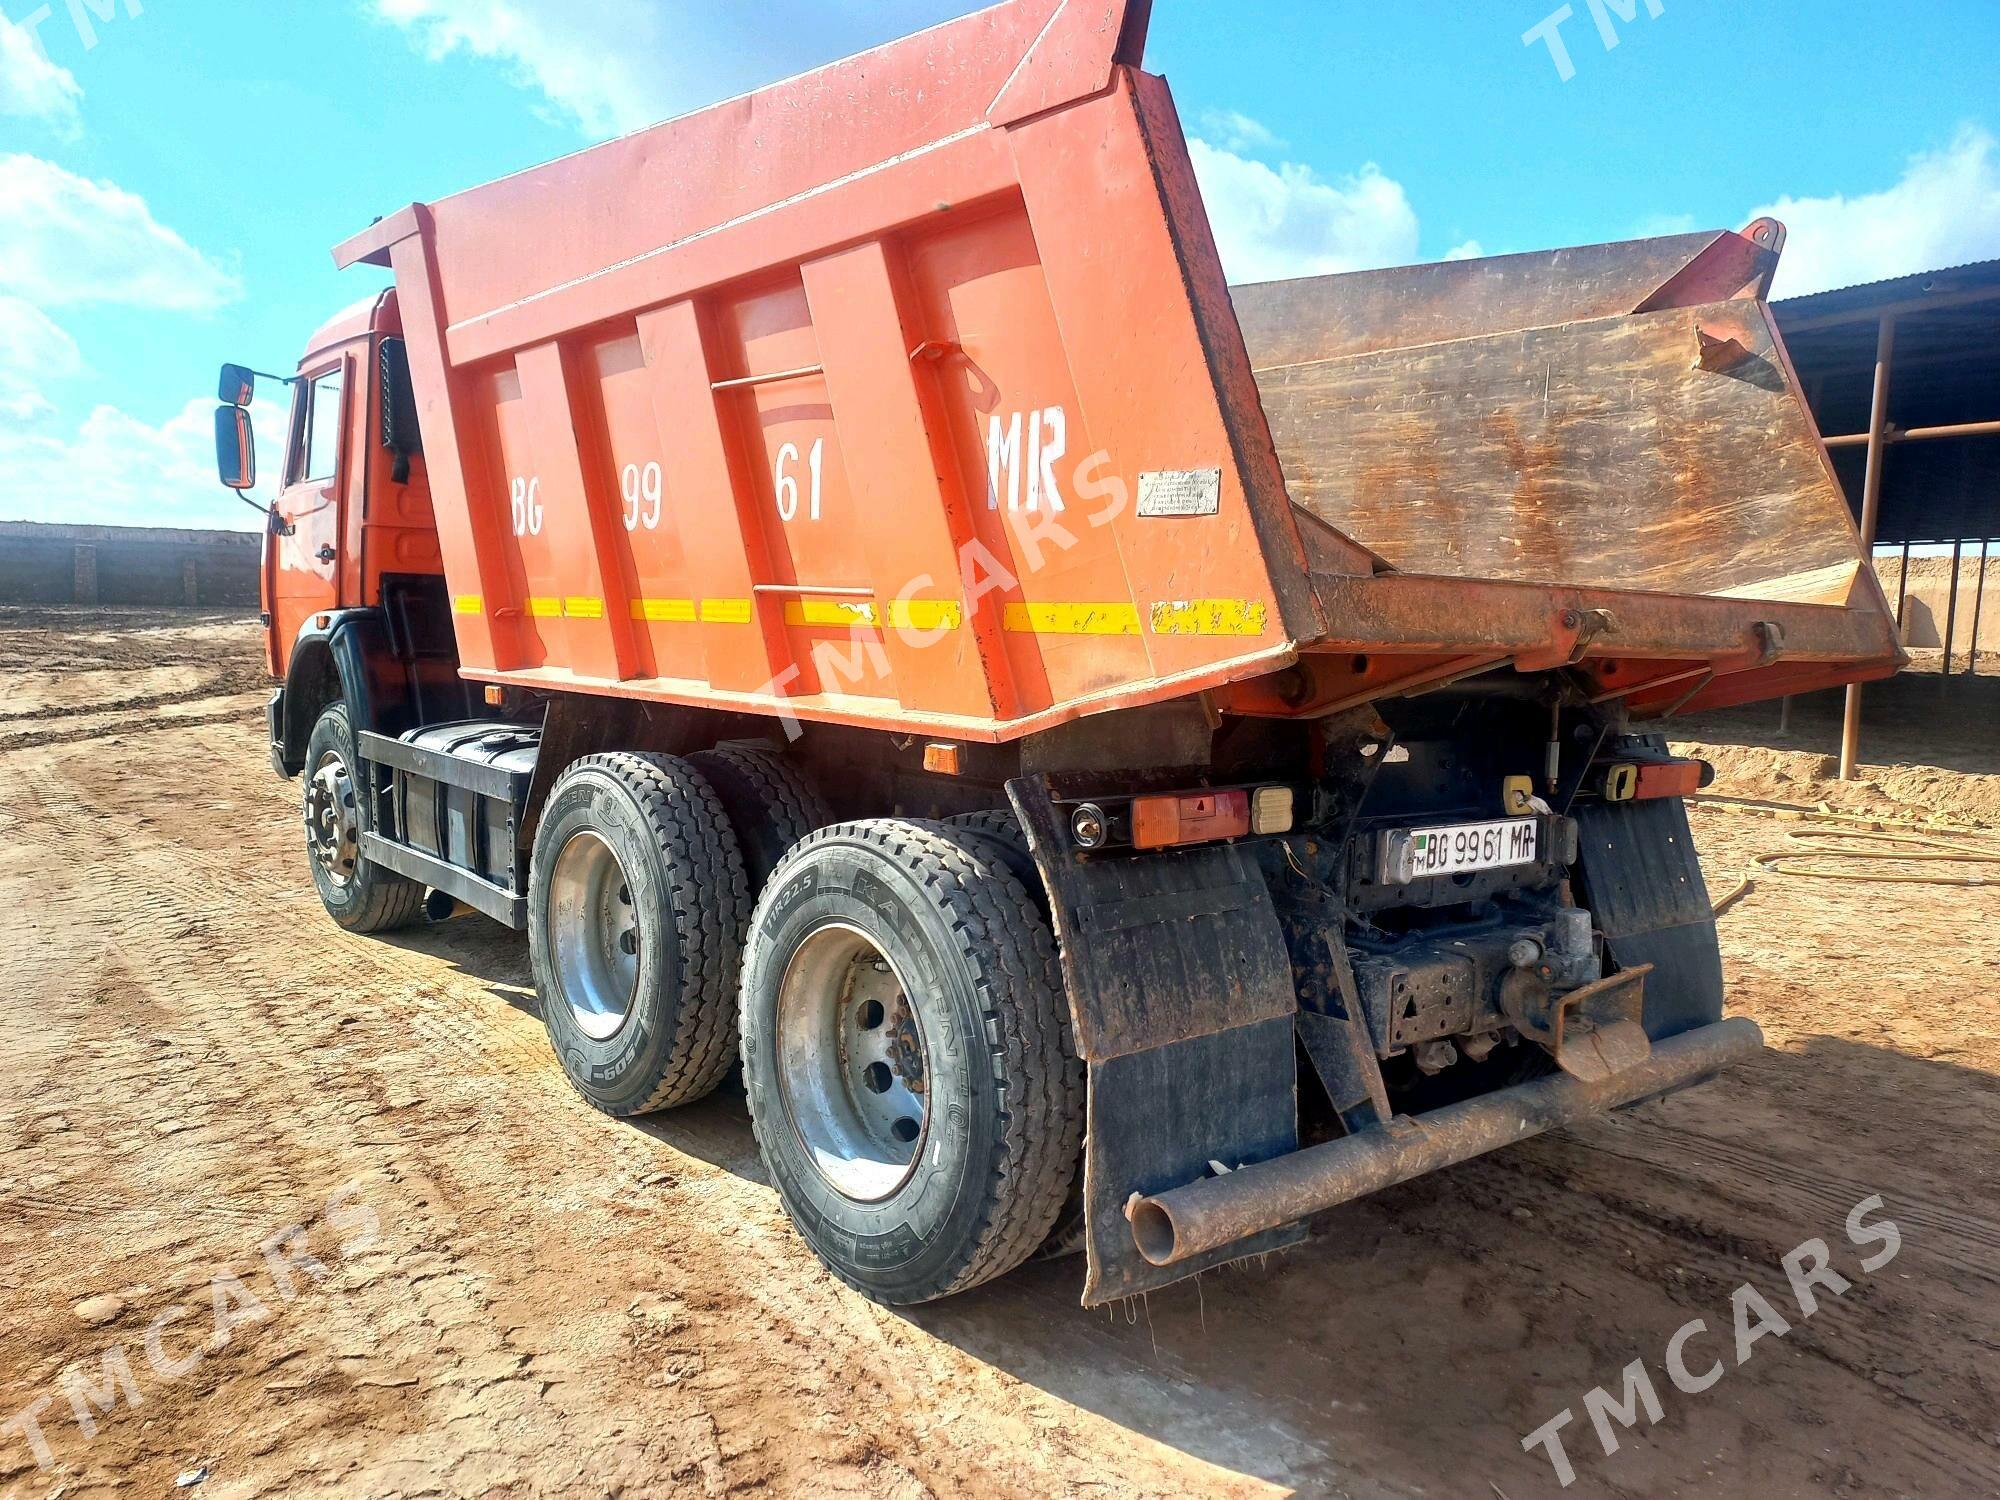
643 489
527 499
788 484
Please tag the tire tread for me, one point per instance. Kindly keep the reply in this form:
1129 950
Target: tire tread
786 803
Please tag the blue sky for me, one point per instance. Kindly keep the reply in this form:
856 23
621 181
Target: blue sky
174 172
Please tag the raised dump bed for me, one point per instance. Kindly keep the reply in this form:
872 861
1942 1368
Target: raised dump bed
935 413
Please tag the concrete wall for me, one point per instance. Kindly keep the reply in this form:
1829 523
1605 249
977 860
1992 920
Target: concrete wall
127 565
1929 596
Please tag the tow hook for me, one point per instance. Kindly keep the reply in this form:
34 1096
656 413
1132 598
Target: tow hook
1592 1032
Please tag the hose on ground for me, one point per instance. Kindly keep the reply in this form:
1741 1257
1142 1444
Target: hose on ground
1845 854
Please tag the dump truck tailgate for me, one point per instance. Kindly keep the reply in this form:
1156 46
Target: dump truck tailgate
1657 447
1610 421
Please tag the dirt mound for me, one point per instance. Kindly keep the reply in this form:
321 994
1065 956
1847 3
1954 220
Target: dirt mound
1918 793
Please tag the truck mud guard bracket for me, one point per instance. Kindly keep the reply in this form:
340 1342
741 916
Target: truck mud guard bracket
1182 998
1638 873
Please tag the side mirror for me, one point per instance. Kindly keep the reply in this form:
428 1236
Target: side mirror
239 385
399 408
235 448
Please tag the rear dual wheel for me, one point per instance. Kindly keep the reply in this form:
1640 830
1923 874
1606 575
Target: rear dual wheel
911 1078
906 1053
637 905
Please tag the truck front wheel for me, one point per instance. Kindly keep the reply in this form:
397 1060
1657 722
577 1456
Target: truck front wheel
637 904
359 894
911 1079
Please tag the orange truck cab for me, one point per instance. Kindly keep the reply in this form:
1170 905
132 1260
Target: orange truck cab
1126 763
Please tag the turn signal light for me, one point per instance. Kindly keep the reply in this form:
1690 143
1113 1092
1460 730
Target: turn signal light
1189 818
1271 810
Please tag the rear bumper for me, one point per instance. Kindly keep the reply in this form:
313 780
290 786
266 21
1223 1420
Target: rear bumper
1214 1212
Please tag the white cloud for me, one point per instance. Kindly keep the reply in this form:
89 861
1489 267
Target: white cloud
1276 222
608 69
31 86
65 240
617 65
1235 131
1944 211
32 350
115 470
1470 250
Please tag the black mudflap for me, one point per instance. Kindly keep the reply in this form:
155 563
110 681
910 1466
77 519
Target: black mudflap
1182 998
1642 882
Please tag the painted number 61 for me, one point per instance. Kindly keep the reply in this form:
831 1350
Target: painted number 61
788 484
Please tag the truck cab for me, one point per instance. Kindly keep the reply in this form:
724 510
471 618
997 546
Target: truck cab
350 541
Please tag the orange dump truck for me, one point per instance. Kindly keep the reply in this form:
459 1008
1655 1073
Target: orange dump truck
1127 765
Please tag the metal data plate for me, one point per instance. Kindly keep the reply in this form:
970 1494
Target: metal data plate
1180 492
1409 854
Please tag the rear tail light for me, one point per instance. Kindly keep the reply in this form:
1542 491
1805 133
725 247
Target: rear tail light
1638 781
1680 778
1189 818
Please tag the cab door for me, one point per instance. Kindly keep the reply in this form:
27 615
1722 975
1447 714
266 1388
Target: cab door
306 568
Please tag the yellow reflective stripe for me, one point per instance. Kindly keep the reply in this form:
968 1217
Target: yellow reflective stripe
1072 619
545 609
576 607
1209 617
926 614
838 612
468 604
658 611
725 611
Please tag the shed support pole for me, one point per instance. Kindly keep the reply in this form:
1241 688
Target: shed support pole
1978 607
1871 512
1951 614
1902 588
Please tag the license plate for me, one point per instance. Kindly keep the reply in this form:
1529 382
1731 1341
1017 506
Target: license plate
1417 853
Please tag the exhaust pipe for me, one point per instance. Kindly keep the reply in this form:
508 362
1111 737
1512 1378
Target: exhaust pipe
1217 1211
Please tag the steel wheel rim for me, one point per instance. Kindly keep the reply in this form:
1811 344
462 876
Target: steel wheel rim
852 1066
594 935
333 819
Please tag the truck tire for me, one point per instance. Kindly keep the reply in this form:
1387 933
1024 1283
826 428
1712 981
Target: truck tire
770 800
999 825
907 1057
359 894
1004 829
637 907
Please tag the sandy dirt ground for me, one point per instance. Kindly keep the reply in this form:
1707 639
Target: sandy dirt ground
474 1284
